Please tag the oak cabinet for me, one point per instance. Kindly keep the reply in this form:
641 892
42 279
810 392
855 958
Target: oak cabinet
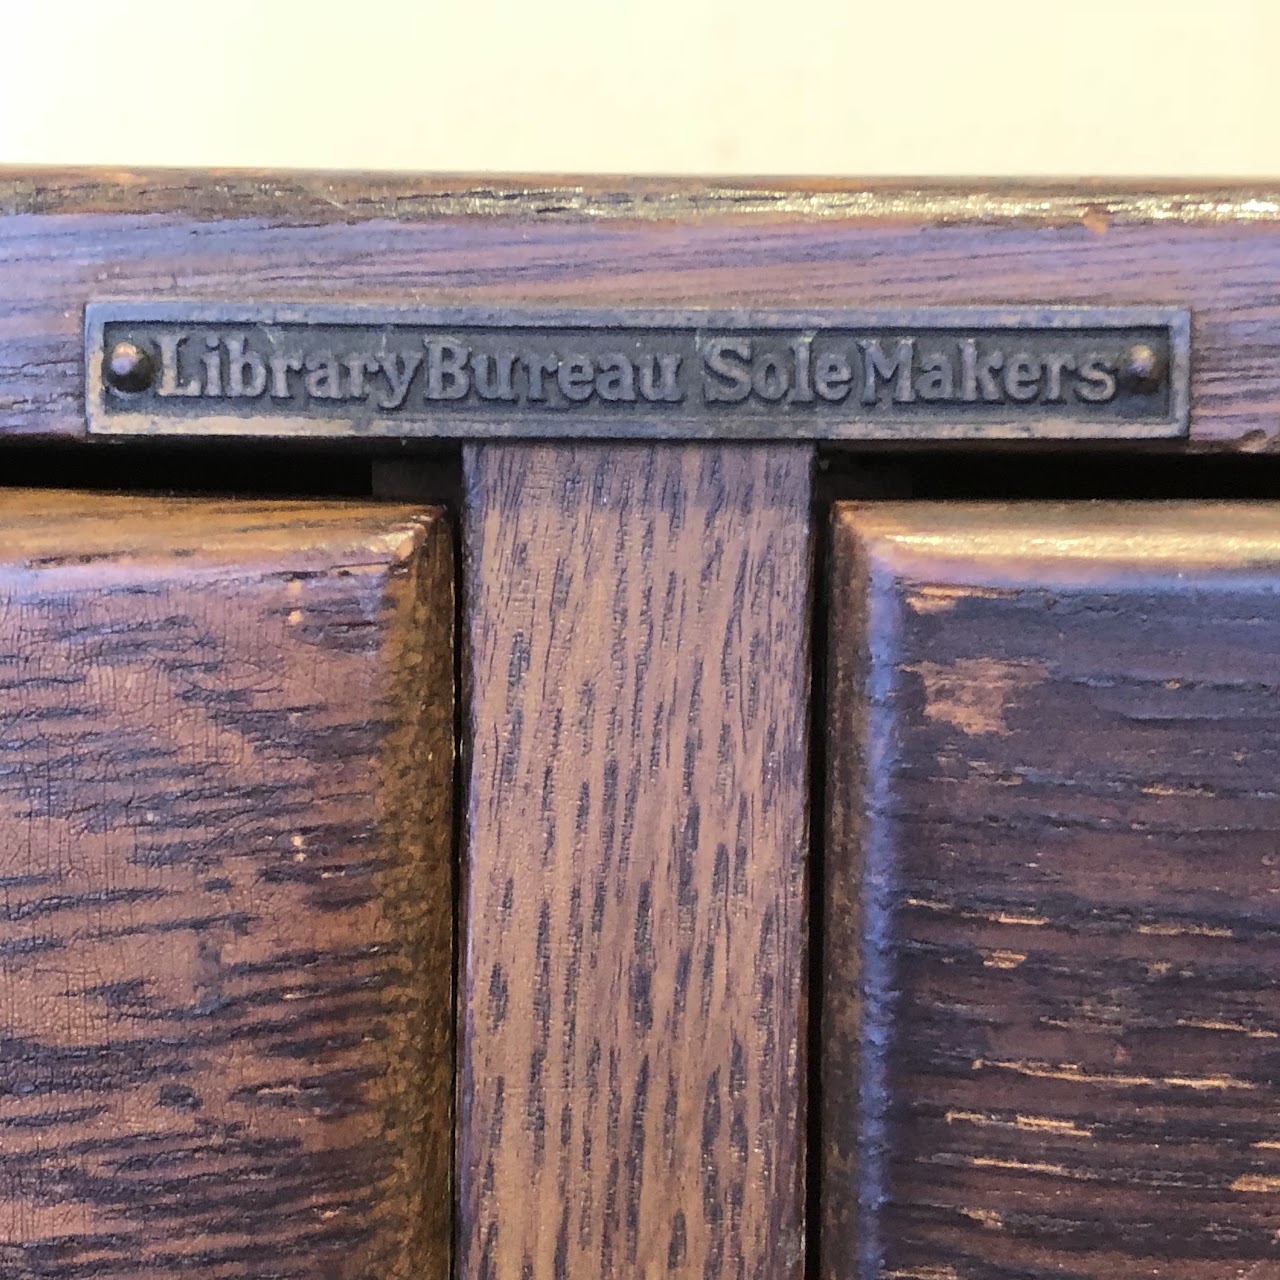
637 846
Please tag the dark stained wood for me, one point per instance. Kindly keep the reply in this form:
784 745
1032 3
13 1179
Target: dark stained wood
632 1000
1051 1035
225 889
75 235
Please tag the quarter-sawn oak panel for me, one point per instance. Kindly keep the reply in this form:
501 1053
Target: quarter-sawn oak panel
632 999
1051 1040
225 898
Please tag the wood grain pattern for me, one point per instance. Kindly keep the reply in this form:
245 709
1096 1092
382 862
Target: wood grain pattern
303 197
631 1092
1051 1034
225 889
72 236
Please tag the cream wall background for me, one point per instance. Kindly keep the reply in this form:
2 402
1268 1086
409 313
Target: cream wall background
677 86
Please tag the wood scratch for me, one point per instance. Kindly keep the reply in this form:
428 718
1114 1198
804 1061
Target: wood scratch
974 695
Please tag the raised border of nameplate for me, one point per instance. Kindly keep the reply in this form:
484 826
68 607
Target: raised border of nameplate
473 372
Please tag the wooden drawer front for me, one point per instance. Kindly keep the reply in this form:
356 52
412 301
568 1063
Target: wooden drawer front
225 924
1051 1034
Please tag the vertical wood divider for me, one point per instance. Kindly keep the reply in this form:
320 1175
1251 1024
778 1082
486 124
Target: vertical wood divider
633 1003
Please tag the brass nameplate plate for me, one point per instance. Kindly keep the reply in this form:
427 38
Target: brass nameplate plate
175 368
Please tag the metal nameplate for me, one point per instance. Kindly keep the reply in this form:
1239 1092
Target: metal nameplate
200 368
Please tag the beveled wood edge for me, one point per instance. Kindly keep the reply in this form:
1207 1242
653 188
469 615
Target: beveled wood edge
997 547
309 196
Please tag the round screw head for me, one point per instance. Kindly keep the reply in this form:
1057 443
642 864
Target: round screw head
129 367
1142 368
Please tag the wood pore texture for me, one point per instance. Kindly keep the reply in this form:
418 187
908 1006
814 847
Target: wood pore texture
633 999
225 889
71 236
1051 1035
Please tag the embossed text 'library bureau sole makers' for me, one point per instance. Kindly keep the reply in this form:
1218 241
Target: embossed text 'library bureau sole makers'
200 368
